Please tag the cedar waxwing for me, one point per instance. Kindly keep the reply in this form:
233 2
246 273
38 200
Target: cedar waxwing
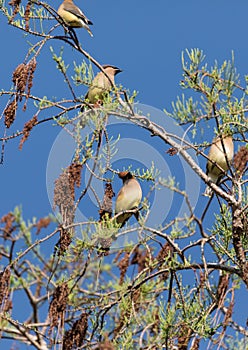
219 156
101 84
128 198
73 16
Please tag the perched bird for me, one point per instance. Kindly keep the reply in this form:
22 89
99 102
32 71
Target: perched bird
73 16
221 157
102 84
128 198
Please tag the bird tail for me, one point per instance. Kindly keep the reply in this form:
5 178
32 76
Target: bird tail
215 179
208 192
89 31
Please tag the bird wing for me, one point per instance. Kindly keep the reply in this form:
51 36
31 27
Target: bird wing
129 197
77 12
120 197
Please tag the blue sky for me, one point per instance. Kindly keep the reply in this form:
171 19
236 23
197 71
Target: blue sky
145 39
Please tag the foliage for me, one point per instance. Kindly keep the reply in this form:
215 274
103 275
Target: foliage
176 285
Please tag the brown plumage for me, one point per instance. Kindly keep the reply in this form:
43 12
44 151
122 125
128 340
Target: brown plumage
221 157
128 198
102 84
73 16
